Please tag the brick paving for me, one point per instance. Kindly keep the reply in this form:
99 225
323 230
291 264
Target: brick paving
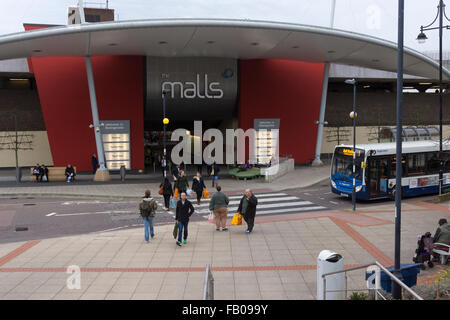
277 261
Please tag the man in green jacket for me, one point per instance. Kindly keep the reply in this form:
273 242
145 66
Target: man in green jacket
182 183
219 206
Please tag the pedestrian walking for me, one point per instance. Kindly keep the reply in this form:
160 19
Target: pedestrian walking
167 192
215 174
181 184
183 212
198 185
219 206
147 209
176 172
247 208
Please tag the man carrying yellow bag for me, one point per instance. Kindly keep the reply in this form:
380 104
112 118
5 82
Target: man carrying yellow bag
247 207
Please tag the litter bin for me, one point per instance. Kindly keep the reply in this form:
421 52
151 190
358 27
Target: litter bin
409 273
122 173
329 261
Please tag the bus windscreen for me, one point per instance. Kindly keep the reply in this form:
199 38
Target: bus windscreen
342 166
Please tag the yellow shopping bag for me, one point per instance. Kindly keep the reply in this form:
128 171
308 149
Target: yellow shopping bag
237 219
205 193
175 194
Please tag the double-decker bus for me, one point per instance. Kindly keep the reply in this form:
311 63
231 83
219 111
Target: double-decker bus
376 166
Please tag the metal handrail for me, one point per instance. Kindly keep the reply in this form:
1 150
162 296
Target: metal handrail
208 287
394 278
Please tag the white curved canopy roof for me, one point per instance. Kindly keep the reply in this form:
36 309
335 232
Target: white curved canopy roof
240 39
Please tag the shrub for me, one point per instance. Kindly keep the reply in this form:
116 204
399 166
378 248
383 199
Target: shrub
359 296
427 292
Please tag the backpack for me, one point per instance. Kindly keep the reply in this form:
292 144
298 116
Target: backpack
148 208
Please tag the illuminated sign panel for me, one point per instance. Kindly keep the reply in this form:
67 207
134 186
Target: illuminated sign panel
116 143
266 132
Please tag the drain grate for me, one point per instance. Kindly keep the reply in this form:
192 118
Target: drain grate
29 204
21 228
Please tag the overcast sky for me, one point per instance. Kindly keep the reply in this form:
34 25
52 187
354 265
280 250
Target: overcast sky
373 17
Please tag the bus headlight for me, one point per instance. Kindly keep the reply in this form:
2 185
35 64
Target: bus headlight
333 184
358 188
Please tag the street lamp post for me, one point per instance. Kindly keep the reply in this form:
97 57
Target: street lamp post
165 123
422 38
396 289
353 116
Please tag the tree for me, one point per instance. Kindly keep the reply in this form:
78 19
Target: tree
338 132
374 132
12 139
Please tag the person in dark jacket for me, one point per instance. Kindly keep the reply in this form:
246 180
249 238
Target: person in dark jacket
70 173
41 173
198 185
247 207
182 184
175 174
45 173
167 192
94 162
183 212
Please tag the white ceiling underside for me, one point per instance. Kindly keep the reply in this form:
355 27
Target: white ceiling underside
239 39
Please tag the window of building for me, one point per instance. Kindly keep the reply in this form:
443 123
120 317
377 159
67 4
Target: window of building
92 18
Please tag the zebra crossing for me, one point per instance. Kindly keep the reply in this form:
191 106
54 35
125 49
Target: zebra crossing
268 204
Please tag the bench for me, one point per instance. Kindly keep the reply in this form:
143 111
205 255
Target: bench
443 250
54 174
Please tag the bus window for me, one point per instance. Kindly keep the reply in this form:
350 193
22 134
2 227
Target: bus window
433 163
384 168
416 164
392 173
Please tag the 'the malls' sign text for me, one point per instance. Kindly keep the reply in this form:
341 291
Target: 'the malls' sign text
191 90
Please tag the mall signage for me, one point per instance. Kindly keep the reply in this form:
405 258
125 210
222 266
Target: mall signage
116 143
191 89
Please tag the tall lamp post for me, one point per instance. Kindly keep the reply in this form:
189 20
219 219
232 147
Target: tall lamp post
165 123
353 116
422 38
396 289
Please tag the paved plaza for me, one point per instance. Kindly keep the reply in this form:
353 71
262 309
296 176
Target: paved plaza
276 261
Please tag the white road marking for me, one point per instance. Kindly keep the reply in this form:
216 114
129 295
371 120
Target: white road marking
88 213
50 214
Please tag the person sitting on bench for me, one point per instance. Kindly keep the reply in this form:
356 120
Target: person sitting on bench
70 173
44 173
37 172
